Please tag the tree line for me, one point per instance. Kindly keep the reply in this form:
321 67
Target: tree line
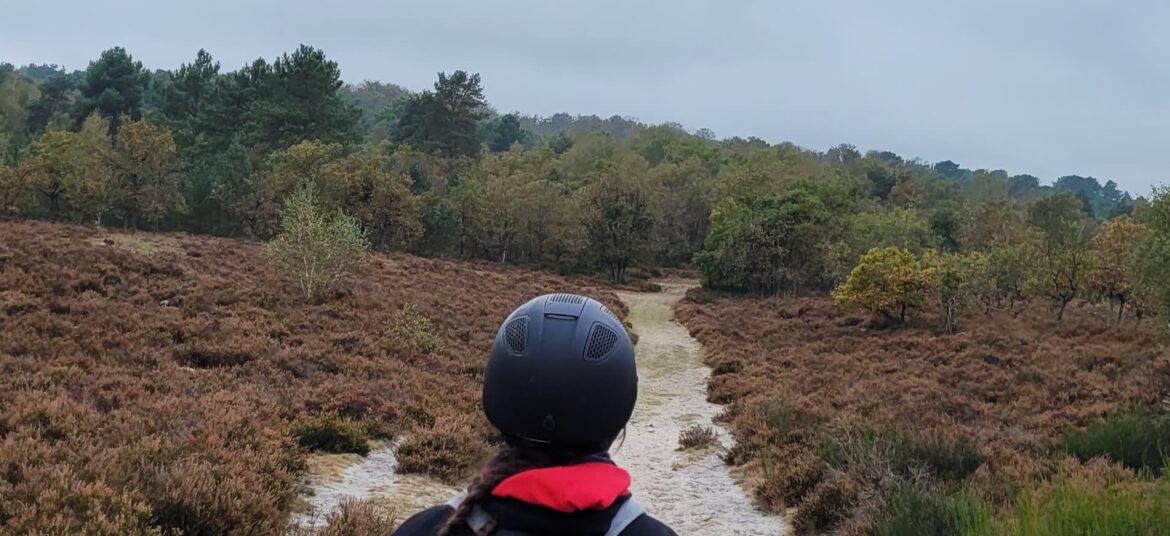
439 172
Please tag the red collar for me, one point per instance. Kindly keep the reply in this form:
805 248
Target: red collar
572 488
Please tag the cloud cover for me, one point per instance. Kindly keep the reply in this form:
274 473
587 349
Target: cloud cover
1045 87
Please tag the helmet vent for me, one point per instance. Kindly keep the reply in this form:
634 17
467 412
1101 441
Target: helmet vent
611 313
567 298
516 333
601 343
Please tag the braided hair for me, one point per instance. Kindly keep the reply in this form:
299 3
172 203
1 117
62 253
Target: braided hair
516 456
506 462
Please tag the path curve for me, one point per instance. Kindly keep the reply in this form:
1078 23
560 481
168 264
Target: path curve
693 492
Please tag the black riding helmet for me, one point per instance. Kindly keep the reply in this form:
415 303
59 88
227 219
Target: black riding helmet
561 375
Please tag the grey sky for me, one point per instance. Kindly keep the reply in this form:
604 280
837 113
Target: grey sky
1047 87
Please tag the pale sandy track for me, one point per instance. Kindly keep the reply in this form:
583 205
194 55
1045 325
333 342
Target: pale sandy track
692 492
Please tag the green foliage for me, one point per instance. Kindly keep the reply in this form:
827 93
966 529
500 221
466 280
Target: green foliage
302 101
69 172
504 131
616 213
768 244
904 454
17 93
446 120
945 225
1117 263
113 87
1153 255
1137 440
888 281
898 227
1013 272
315 248
414 329
1065 233
379 104
1084 507
755 217
145 185
1102 201
957 281
914 511
333 435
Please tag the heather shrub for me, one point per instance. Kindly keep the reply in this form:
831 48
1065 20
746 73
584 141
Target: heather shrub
697 437
787 481
63 505
450 451
157 389
358 518
829 503
332 434
206 499
905 455
1137 440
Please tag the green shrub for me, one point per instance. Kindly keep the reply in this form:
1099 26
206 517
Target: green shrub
914 511
414 329
1137 440
905 454
330 434
1083 507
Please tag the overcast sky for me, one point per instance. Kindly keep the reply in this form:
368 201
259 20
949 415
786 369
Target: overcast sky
1047 87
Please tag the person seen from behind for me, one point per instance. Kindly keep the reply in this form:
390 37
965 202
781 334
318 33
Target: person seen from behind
560 386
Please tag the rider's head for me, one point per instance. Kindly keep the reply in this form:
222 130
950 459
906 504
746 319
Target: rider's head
561 376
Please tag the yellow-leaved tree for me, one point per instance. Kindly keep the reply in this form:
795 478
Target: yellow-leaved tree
889 282
1115 256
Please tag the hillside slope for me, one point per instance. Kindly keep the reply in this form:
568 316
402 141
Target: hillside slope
861 416
153 381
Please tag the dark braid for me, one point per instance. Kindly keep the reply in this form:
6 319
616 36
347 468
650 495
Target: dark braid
507 462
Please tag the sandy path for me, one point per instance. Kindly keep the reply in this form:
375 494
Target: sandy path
693 492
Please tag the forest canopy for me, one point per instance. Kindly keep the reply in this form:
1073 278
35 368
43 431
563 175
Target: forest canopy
439 172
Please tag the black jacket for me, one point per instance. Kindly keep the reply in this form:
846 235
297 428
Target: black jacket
518 517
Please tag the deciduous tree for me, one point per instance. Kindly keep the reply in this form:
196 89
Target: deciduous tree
889 282
1115 255
957 280
317 248
1065 233
145 185
616 212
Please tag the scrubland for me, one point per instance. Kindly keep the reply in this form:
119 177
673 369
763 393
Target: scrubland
1015 425
154 383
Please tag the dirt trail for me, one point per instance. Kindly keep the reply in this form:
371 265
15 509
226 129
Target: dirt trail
335 478
693 492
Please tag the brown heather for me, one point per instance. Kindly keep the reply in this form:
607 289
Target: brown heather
840 416
151 383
